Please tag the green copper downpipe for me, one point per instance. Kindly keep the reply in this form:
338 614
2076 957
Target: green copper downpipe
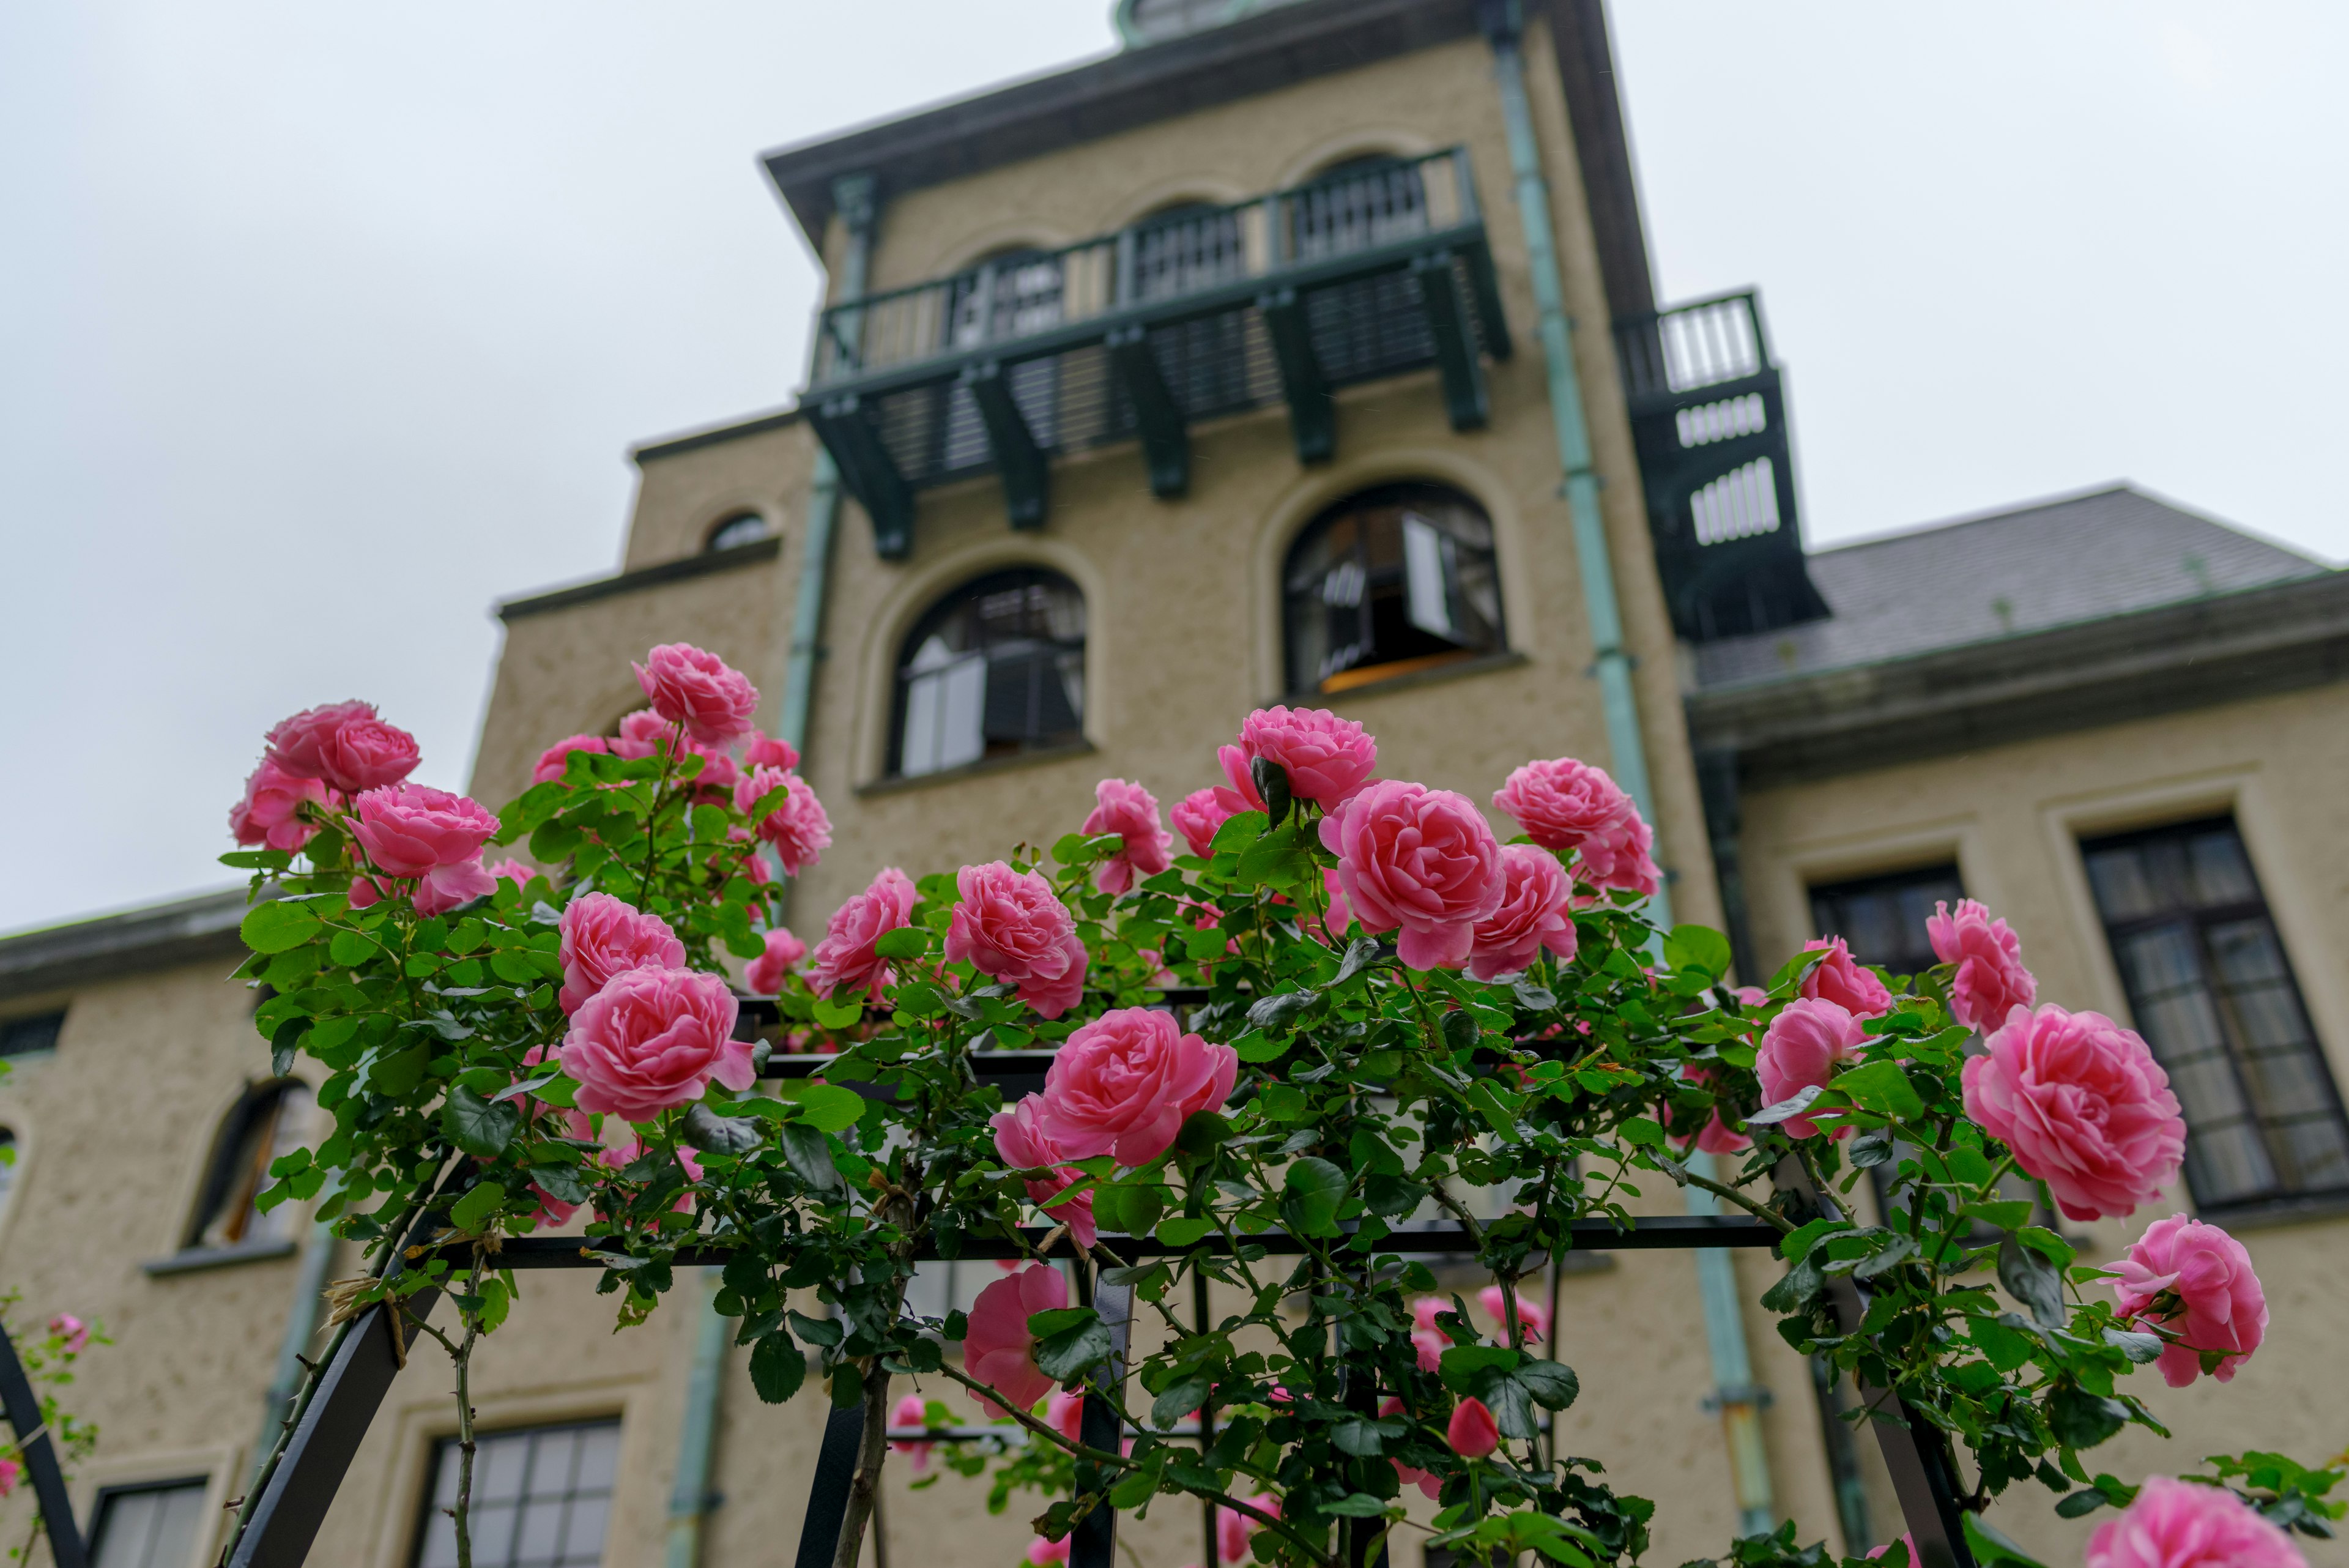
689 1498
1733 1372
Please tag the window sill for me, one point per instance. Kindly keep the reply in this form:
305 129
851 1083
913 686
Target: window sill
2276 1212
195 1260
979 769
1416 677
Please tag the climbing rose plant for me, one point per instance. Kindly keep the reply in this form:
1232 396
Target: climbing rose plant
1386 1013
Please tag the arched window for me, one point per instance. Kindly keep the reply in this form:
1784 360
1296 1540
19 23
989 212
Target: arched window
1389 581
269 1121
995 669
743 528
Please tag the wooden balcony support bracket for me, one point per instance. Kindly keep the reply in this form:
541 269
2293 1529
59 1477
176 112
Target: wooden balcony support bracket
869 471
1312 411
1165 441
1465 398
1485 285
1025 469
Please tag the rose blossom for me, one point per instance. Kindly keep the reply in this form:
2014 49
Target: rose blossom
1123 1083
998 1349
416 831
1533 914
9 1470
1715 1136
556 759
1131 812
1064 1412
1233 1528
1022 1142
444 887
1326 757
2083 1105
689 687
1802 1047
1197 815
511 870
1011 926
1534 1320
1473 1433
765 975
652 1039
844 959
1565 805
2195 1281
642 734
2173 1524
619 1159
765 750
1838 978
797 826
912 1411
1420 859
271 811
1909 1542
71 1331
1043 1551
1991 982
1427 1340
345 745
604 936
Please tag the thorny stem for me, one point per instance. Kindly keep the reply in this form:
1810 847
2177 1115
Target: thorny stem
1688 1178
463 1355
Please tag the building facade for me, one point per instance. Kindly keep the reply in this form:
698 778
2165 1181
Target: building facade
1301 352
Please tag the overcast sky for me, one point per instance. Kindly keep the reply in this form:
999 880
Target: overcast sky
322 326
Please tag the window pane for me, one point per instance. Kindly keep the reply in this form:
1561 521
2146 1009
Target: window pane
154 1527
1882 919
1388 581
540 1498
995 669
23 1036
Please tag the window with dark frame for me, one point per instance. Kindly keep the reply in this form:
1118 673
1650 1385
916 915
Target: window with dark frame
2212 991
542 1498
32 1034
995 669
1882 919
270 1121
1389 582
151 1525
742 528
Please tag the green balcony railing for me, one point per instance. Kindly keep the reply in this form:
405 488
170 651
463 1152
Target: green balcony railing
1377 268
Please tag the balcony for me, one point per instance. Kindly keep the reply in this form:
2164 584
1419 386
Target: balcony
1373 270
1709 418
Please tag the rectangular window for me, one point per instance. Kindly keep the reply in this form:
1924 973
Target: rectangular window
1882 919
25 1036
2214 996
149 1526
541 1495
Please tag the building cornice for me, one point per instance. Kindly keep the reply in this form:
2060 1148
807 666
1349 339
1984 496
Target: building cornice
716 435
161 936
643 577
2223 648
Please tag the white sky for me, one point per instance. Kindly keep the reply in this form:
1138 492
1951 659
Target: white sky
323 326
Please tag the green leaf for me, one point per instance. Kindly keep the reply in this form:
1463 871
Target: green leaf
1059 1320
2080 1502
1134 1209
1280 857
2004 1347
777 1366
474 1125
474 1210
827 1107
1460 1030
399 1073
905 943
2032 1280
1275 1012
1066 1355
1797 1290
2047 1244
1361 953
848 1386
1461 1364
1203 1132
276 926
1993 1550
1271 781
1792 1105
810 1154
1699 948
1184 1230
705 1129
1881 1087
1310 1195
2081 1419
2144 1349
823 1331
350 950
1239 831
1178 1399
1553 1385
1643 1132
1356 1505
841 1014
1795 1246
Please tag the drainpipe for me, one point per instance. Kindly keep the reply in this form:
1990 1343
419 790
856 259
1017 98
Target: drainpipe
1735 1393
301 1328
691 1498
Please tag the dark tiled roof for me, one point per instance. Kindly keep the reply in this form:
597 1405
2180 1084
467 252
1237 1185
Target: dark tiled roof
2059 563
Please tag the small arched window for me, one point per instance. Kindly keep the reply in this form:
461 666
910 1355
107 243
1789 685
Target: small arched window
743 528
271 1120
1389 581
994 669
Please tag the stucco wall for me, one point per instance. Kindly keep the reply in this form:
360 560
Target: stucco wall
682 497
2011 817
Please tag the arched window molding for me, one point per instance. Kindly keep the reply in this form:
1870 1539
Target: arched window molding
993 668
744 527
268 1120
1387 581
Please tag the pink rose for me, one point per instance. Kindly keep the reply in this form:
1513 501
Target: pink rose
765 975
552 1213
1131 812
1839 979
912 1411
345 745
70 1332
1473 1433
1534 914
619 1158
1022 1142
1418 858
444 887
2083 1105
1123 1083
2194 1282
1802 1047
720 772
844 959
2173 1524
797 826
1010 926
1340 914
1565 805
652 1039
1198 814
602 937
1532 1320
643 734
1325 758
1044 1551
1233 1529
416 831
1908 1542
689 687
9 1472
1000 1351
1064 1412
1991 982
765 750
556 758
271 811
1715 1136
513 871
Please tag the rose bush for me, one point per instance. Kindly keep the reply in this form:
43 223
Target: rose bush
1344 1007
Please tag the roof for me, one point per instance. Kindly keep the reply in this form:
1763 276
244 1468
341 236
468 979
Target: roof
2064 562
158 936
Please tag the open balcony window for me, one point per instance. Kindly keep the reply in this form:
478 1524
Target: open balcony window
1390 582
995 669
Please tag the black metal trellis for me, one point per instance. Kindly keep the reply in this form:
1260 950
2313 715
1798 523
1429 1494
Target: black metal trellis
23 1407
